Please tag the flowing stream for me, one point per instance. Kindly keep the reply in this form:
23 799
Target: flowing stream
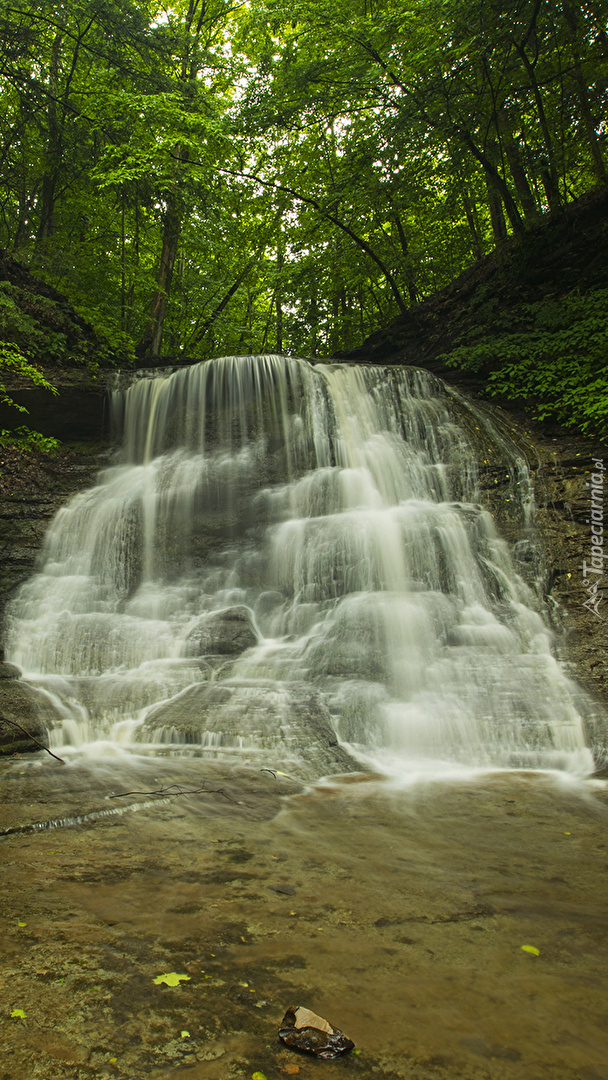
289 566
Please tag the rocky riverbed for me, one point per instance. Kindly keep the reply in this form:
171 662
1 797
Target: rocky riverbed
399 915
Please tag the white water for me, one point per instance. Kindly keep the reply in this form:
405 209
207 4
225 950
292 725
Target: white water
340 506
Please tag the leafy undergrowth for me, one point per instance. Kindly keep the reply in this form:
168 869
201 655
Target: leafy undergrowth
553 353
23 438
42 325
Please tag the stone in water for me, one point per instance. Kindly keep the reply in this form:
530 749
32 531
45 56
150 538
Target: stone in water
302 1029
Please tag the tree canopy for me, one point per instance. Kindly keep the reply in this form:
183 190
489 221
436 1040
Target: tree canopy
210 176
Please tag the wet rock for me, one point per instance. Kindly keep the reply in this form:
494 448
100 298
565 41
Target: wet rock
302 1029
284 726
222 633
189 713
353 659
9 671
28 707
268 601
32 488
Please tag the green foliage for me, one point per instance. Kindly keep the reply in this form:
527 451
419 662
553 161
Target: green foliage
253 176
44 329
12 360
23 438
554 355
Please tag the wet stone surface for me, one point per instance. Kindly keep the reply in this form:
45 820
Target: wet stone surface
400 915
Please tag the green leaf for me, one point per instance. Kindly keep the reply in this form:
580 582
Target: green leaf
18 1014
171 979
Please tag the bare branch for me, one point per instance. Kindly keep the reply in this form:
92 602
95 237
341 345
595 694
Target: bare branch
14 724
176 789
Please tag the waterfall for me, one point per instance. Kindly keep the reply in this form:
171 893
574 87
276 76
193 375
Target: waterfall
289 565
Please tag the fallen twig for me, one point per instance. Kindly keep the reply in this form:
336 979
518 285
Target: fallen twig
13 723
175 789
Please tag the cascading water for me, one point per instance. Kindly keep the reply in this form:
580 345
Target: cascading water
289 565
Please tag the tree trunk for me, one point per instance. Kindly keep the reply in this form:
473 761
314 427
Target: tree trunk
313 317
359 240
516 166
217 311
279 292
468 202
189 69
150 344
496 182
497 217
549 175
53 149
409 274
469 211
599 167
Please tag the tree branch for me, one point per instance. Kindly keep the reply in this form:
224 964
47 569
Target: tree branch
14 724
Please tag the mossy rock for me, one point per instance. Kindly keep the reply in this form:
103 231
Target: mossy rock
31 709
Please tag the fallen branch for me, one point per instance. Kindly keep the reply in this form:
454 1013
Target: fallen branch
176 789
13 723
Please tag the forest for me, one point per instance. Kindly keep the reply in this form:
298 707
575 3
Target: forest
214 177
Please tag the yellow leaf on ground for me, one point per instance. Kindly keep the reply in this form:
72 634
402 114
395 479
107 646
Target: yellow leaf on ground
531 949
171 979
18 1014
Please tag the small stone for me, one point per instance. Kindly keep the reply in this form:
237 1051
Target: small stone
302 1029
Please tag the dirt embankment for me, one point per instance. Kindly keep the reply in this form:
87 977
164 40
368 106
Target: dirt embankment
563 252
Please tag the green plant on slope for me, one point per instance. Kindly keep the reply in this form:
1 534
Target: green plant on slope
557 358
